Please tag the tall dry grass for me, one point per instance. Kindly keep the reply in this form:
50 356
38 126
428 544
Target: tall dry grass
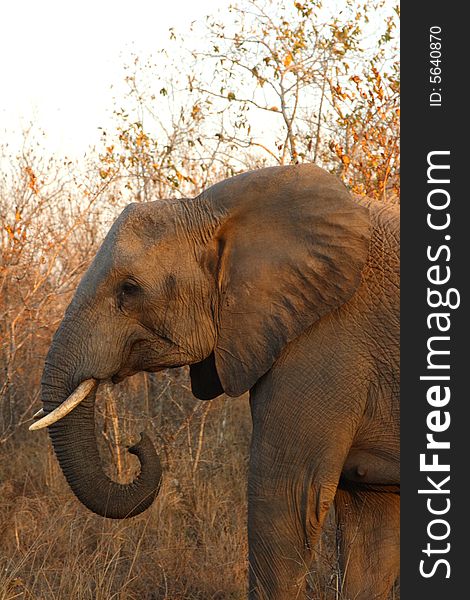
190 544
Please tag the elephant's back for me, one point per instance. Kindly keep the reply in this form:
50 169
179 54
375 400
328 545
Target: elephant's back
384 250
378 296
385 221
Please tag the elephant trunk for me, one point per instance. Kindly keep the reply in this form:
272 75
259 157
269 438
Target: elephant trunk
75 445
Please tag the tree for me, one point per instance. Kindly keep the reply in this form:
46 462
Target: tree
271 84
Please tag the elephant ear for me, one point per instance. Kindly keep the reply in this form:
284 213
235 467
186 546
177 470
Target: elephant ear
205 382
290 244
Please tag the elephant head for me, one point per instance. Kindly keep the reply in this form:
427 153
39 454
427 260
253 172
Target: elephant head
221 282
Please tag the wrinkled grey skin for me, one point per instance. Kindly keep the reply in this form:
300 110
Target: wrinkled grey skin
276 282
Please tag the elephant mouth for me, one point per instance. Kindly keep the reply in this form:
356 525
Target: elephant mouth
121 375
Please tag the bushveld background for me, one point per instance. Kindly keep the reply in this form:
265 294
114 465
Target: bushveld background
265 83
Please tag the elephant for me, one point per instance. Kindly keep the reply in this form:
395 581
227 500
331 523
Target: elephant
275 282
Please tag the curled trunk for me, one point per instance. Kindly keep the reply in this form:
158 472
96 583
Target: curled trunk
75 446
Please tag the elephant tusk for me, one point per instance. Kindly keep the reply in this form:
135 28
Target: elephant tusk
39 414
68 405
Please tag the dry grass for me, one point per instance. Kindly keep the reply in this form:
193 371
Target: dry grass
190 544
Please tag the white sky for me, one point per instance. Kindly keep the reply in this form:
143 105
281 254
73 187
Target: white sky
59 59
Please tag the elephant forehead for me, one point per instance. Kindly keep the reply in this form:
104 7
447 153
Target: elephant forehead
142 229
147 219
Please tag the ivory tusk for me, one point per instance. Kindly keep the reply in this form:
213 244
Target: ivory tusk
68 405
39 414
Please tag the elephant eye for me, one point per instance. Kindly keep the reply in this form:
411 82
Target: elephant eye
127 291
129 288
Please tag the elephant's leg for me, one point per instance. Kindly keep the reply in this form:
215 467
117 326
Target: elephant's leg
369 543
291 484
284 522
303 429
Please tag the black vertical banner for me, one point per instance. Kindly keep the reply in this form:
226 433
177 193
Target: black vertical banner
435 229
